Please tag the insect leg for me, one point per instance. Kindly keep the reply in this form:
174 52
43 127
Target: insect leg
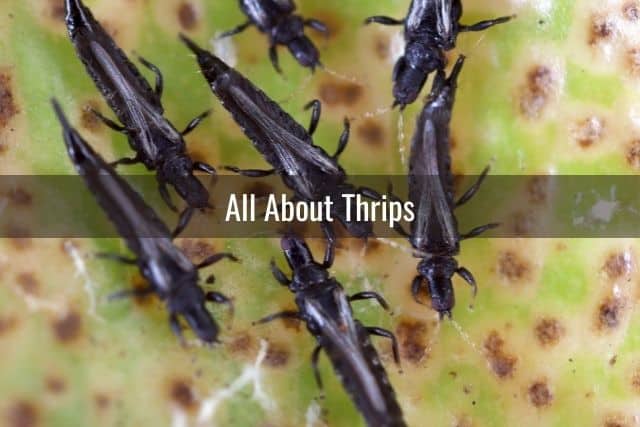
483 25
468 277
316 109
237 30
218 298
479 230
330 250
204 167
319 26
126 293
273 57
473 189
344 138
116 257
125 161
383 20
287 314
183 221
107 121
251 173
315 355
164 193
174 323
212 259
195 122
370 295
374 330
158 74
279 274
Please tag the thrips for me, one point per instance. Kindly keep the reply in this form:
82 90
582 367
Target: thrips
170 274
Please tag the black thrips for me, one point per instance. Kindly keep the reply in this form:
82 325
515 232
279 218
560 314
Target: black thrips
431 28
158 145
434 232
287 146
326 310
170 274
276 19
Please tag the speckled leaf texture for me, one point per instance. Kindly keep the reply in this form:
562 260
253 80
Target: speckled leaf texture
552 338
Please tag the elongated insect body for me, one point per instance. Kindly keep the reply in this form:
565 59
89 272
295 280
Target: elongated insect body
288 147
276 18
171 275
434 231
326 310
158 145
431 28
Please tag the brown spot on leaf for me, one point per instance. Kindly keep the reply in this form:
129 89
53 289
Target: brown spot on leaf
512 266
631 10
539 394
331 20
8 107
537 91
635 381
28 283
340 92
242 343
371 132
633 61
537 188
67 328
617 420
180 392
633 154
55 384
102 401
187 16
20 197
412 337
7 323
382 46
197 250
88 119
277 355
139 283
20 243
609 313
502 363
523 223
602 28
548 331
259 188
56 10
617 265
588 131
22 414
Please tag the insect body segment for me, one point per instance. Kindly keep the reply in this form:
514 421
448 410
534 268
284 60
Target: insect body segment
170 274
277 19
158 145
326 310
287 146
434 232
430 29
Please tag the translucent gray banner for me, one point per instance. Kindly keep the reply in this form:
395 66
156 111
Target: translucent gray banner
526 206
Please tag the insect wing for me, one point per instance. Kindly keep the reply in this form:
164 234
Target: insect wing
433 208
286 142
444 19
135 106
285 6
343 334
418 10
